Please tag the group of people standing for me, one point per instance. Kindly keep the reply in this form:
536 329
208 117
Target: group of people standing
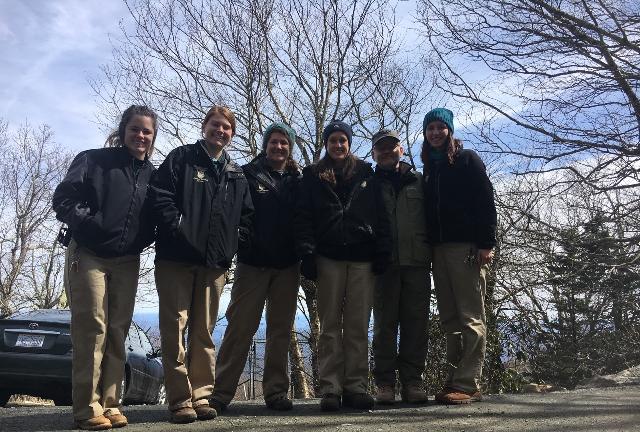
369 239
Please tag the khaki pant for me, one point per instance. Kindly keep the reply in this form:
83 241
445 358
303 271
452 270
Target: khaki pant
345 294
460 290
189 296
401 299
253 287
101 294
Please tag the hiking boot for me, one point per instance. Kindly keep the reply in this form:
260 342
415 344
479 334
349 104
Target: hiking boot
94 423
117 420
183 415
330 402
362 401
458 397
220 407
279 403
414 393
385 394
205 412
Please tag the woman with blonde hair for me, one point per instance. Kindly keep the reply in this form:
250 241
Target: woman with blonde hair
202 203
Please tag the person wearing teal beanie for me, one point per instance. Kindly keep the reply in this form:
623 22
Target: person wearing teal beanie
267 273
461 229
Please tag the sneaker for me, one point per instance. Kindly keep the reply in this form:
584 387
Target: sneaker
220 407
330 402
362 401
94 423
414 393
458 397
117 420
205 412
385 394
183 415
279 403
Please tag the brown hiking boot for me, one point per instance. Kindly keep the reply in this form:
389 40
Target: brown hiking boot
117 420
183 415
458 397
385 394
414 393
94 423
205 412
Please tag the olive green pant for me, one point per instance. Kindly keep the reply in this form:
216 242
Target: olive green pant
101 294
401 300
345 296
252 288
460 290
189 297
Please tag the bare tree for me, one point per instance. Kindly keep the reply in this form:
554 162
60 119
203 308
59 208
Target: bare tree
304 62
31 166
552 85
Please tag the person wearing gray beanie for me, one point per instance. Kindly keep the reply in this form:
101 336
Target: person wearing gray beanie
267 274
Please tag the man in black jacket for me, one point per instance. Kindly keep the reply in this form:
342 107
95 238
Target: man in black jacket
268 271
202 201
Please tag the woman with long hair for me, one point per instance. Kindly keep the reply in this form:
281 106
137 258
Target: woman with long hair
342 235
461 227
102 200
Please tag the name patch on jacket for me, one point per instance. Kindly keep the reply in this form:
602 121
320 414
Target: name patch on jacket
200 175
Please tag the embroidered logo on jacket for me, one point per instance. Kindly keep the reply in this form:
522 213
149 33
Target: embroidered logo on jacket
262 189
200 176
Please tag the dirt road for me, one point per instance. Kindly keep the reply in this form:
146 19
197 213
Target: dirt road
599 410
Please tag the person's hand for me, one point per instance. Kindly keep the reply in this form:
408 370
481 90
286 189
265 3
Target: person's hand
308 267
485 256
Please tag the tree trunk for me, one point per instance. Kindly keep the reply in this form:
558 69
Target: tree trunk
309 288
298 376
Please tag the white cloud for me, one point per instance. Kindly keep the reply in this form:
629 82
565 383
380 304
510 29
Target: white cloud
54 46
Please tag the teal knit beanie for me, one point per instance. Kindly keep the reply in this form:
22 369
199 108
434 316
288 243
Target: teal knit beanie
279 127
442 114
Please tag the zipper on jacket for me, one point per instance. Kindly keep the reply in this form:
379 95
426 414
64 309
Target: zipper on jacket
438 204
131 201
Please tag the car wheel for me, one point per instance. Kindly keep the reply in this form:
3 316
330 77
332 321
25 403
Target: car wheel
5 395
162 395
63 399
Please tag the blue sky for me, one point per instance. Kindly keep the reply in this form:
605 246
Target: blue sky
48 49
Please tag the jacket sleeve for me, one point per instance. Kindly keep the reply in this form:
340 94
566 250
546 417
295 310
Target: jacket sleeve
71 195
382 227
163 193
247 213
303 232
483 204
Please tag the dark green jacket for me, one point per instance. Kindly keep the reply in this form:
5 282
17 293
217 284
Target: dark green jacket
407 215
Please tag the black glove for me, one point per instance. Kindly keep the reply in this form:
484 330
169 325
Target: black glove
380 264
308 267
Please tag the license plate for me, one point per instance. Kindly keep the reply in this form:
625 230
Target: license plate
30 341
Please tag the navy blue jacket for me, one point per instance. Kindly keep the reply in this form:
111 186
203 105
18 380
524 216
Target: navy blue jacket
199 210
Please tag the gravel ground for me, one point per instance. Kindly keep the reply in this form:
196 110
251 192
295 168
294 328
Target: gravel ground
585 410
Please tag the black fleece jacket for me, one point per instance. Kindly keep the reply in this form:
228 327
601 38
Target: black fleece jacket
459 202
347 221
102 200
270 242
199 210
